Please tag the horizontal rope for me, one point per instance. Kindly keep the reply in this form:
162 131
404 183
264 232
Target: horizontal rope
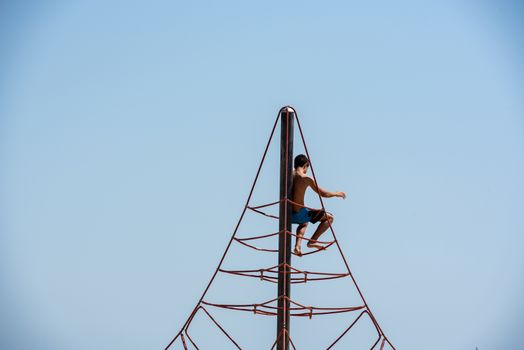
256 248
244 239
258 237
297 310
266 205
271 274
263 213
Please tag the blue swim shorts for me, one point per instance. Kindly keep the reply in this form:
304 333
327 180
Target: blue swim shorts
306 215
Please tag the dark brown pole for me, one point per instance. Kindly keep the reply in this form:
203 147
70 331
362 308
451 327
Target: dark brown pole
287 118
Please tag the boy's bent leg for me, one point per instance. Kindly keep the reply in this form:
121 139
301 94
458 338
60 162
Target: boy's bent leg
326 221
301 230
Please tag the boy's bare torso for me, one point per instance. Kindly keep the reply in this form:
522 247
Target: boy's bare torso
300 184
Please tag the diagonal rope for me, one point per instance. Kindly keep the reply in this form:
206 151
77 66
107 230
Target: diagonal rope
234 232
216 323
335 237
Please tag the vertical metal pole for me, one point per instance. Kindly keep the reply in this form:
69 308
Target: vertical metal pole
287 118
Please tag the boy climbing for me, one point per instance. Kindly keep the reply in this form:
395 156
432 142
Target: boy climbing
302 215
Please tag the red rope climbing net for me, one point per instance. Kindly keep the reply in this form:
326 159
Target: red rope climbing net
271 274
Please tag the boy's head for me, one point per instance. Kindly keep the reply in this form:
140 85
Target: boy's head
301 161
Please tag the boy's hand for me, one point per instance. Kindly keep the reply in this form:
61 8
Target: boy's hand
341 194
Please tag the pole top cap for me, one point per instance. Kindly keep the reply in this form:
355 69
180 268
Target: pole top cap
287 109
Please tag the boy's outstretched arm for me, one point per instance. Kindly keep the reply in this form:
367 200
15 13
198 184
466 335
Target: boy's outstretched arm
323 192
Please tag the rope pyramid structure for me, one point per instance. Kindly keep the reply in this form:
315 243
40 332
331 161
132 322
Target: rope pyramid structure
284 274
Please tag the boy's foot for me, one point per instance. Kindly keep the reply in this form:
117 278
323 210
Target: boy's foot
297 251
315 245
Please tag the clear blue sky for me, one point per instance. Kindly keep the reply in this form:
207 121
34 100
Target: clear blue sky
130 132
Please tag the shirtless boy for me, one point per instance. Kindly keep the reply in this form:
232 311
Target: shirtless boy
302 215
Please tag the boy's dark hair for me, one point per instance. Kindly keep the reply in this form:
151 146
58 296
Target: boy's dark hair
301 160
